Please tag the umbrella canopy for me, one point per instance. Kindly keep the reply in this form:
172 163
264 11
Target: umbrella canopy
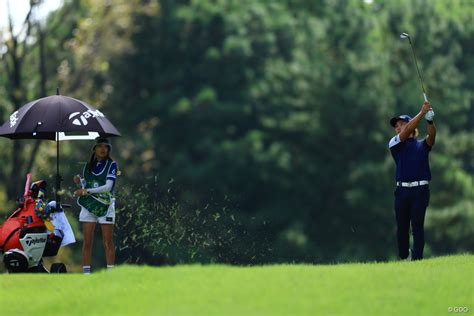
57 118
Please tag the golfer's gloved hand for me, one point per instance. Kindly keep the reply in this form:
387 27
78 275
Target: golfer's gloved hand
429 116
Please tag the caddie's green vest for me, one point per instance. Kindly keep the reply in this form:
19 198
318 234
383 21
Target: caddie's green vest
96 203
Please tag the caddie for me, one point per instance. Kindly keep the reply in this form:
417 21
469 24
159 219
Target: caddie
97 202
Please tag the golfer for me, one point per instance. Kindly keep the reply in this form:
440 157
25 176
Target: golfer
96 199
413 174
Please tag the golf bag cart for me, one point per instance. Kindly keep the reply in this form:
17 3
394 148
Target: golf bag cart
32 233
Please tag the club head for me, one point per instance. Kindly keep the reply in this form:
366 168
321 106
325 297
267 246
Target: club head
404 35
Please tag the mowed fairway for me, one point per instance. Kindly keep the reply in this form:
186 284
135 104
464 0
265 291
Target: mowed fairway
428 287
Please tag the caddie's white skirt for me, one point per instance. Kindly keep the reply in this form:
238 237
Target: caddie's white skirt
109 218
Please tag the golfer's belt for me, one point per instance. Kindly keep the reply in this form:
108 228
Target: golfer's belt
412 184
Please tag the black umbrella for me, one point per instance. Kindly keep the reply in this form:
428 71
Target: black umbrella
57 118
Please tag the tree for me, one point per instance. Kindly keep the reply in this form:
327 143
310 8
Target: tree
13 59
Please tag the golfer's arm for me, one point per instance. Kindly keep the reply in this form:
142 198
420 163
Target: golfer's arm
431 138
410 127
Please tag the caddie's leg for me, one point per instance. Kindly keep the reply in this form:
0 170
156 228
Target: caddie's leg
88 233
417 215
402 215
108 240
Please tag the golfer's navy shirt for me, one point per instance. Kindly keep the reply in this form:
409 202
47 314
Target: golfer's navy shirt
411 158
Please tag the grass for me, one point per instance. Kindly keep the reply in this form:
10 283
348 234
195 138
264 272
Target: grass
426 287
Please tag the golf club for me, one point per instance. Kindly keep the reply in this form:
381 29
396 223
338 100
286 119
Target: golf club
405 36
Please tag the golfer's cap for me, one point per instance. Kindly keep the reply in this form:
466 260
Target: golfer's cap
102 140
403 117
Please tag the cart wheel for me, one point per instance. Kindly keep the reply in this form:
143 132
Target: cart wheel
58 268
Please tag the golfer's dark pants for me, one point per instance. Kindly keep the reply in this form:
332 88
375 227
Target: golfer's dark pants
410 206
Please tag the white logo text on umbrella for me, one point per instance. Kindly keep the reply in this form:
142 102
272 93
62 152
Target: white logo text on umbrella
13 119
82 120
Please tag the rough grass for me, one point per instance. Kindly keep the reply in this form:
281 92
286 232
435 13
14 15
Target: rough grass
426 287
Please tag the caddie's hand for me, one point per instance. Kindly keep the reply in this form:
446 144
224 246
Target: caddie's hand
77 179
426 107
429 116
80 192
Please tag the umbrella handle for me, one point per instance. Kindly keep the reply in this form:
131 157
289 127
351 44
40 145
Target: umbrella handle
27 184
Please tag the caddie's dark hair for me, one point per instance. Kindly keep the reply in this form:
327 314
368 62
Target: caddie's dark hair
93 160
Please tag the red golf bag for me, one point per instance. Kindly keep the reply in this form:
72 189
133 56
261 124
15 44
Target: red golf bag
24 237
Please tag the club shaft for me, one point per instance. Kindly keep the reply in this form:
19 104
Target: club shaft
418 70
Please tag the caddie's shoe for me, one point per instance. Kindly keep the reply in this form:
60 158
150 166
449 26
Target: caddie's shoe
409 255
